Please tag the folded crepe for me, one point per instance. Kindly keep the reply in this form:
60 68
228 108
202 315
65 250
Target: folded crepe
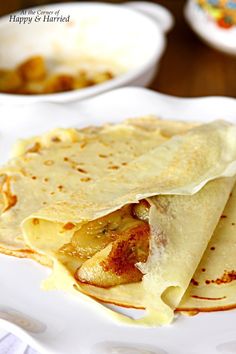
33 178
213 285
135 236
76 157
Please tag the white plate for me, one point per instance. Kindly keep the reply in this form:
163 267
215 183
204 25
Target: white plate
58 323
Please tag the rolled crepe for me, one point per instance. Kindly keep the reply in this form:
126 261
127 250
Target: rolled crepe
186 180
79 156
213 286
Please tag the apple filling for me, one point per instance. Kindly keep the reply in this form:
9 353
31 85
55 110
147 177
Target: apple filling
111 246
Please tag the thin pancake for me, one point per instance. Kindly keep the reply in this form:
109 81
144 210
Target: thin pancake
213 286
185 165
98 150
81 157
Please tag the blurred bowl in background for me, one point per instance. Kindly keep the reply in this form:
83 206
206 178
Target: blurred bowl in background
212 23
127 39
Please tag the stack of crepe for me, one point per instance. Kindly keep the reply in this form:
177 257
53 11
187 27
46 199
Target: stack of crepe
141 214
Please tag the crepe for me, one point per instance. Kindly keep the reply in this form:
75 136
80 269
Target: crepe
38 164
186 181
213 285
98 150
164 128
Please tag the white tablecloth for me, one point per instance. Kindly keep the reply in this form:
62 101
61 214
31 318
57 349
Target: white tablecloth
9 344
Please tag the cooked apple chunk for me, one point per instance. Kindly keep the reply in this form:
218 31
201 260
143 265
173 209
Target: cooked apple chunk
58 83
110 247
97 234
141 210
32 69
10 81
115 264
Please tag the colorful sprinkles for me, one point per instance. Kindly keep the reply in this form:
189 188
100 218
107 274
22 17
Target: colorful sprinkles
223 12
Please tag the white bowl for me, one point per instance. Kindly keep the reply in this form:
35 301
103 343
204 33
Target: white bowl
54 322
128 37
208 30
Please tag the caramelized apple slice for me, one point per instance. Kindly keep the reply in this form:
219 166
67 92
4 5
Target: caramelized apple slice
97 234
10 81
115 264
141 210
101 77
32 69
82 80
